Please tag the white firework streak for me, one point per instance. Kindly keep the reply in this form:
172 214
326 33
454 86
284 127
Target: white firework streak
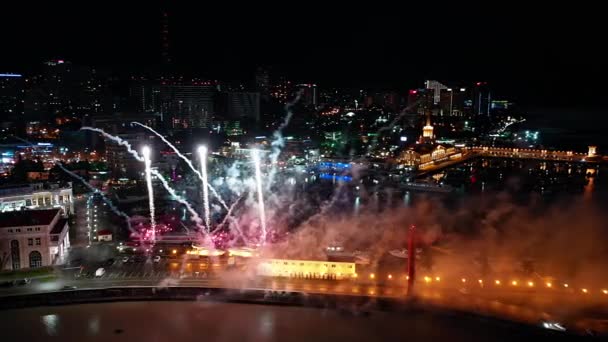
258 180
97 191
504 128
21 139
140 158
278 143
195 217
179 154
228 216
390 125
203 157
117 140
148 171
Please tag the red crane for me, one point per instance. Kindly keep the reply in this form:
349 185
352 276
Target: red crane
411 260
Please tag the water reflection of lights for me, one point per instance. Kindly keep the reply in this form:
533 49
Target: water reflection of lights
51 324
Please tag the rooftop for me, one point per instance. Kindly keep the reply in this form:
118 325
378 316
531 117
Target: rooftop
58 227
24 218
30 188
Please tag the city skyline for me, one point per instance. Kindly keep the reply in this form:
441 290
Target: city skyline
377 162
540 59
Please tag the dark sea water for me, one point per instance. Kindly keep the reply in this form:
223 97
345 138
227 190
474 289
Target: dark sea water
572 129
208 321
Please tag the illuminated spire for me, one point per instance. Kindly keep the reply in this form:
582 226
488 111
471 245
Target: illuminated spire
427 131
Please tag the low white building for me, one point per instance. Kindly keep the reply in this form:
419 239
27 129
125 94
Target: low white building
33 238
37 196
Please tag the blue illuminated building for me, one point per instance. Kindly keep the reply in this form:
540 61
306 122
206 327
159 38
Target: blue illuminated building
334 166
342 178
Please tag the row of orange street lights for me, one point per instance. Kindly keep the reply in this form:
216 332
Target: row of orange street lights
497 282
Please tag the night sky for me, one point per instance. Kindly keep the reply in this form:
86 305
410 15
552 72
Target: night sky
536 56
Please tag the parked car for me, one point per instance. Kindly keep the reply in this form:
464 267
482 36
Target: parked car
100 272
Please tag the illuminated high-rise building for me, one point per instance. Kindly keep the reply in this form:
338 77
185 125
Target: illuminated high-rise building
452 101
262 81
392 100
188 105
482 98
436 87
144 96
308 94
243 106
11 103
164 38
64 89
420 101
11 95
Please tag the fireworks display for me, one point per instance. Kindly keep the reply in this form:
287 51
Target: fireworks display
255 155
223 233
202 151
148 172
